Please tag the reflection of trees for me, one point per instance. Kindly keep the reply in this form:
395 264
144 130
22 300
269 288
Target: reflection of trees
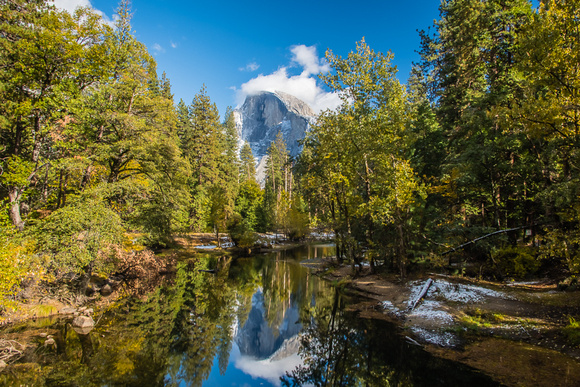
205 324
342 349
172 335
286 288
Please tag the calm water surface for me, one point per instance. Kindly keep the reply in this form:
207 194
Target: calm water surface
260 321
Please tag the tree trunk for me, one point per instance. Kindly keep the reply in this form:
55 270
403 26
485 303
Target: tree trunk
14 194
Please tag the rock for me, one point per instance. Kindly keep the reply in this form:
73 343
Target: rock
2 365
49 342
106 290
43 335
82 309
83 322
67 310
83 331
88 312
265 114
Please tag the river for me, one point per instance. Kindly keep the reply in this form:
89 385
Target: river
258 321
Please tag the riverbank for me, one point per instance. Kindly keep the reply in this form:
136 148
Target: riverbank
518 332
39 301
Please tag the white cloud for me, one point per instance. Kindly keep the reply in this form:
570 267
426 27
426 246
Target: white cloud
253 66
304 86
308 58
158 48
71 5
173 44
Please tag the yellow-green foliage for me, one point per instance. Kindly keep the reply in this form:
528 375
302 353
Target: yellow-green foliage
12 264
572 331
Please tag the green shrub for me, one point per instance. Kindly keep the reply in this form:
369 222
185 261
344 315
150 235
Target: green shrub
241 233
572 332
516 262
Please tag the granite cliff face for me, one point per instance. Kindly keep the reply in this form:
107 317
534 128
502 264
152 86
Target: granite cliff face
265 114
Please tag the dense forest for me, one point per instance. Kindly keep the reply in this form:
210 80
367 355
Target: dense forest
99 164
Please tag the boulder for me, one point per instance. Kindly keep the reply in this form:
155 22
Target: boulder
83 322
49 342
67 310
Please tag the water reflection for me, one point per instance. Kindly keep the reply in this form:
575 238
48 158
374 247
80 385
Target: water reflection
253 321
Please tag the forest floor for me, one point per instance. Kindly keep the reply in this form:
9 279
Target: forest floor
518 331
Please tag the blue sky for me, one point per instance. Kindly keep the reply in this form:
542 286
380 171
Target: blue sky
237 47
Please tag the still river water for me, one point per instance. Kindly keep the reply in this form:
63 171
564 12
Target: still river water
259 321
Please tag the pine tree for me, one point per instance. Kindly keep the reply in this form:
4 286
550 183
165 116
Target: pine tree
247 163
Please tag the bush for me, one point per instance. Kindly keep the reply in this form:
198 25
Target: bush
80 237
241 233
514 261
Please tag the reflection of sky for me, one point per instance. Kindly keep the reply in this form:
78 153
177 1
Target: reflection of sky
245 371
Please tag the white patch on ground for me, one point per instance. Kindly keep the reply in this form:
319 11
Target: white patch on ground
454 292
391 308
431 311
206 247
444 339
430 318
322 235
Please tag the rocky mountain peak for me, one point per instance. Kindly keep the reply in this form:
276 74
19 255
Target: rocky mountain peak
264 114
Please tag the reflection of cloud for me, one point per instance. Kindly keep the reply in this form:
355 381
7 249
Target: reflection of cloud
71 5
303 86
253 66
270 370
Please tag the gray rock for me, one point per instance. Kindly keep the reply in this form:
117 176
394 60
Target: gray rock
88 312
265 114
2 365
43 334
83 322
49 342
67 310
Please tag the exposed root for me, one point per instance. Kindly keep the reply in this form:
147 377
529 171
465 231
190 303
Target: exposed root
11 350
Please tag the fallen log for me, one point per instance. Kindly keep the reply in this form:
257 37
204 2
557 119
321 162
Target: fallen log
483 237
422 294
